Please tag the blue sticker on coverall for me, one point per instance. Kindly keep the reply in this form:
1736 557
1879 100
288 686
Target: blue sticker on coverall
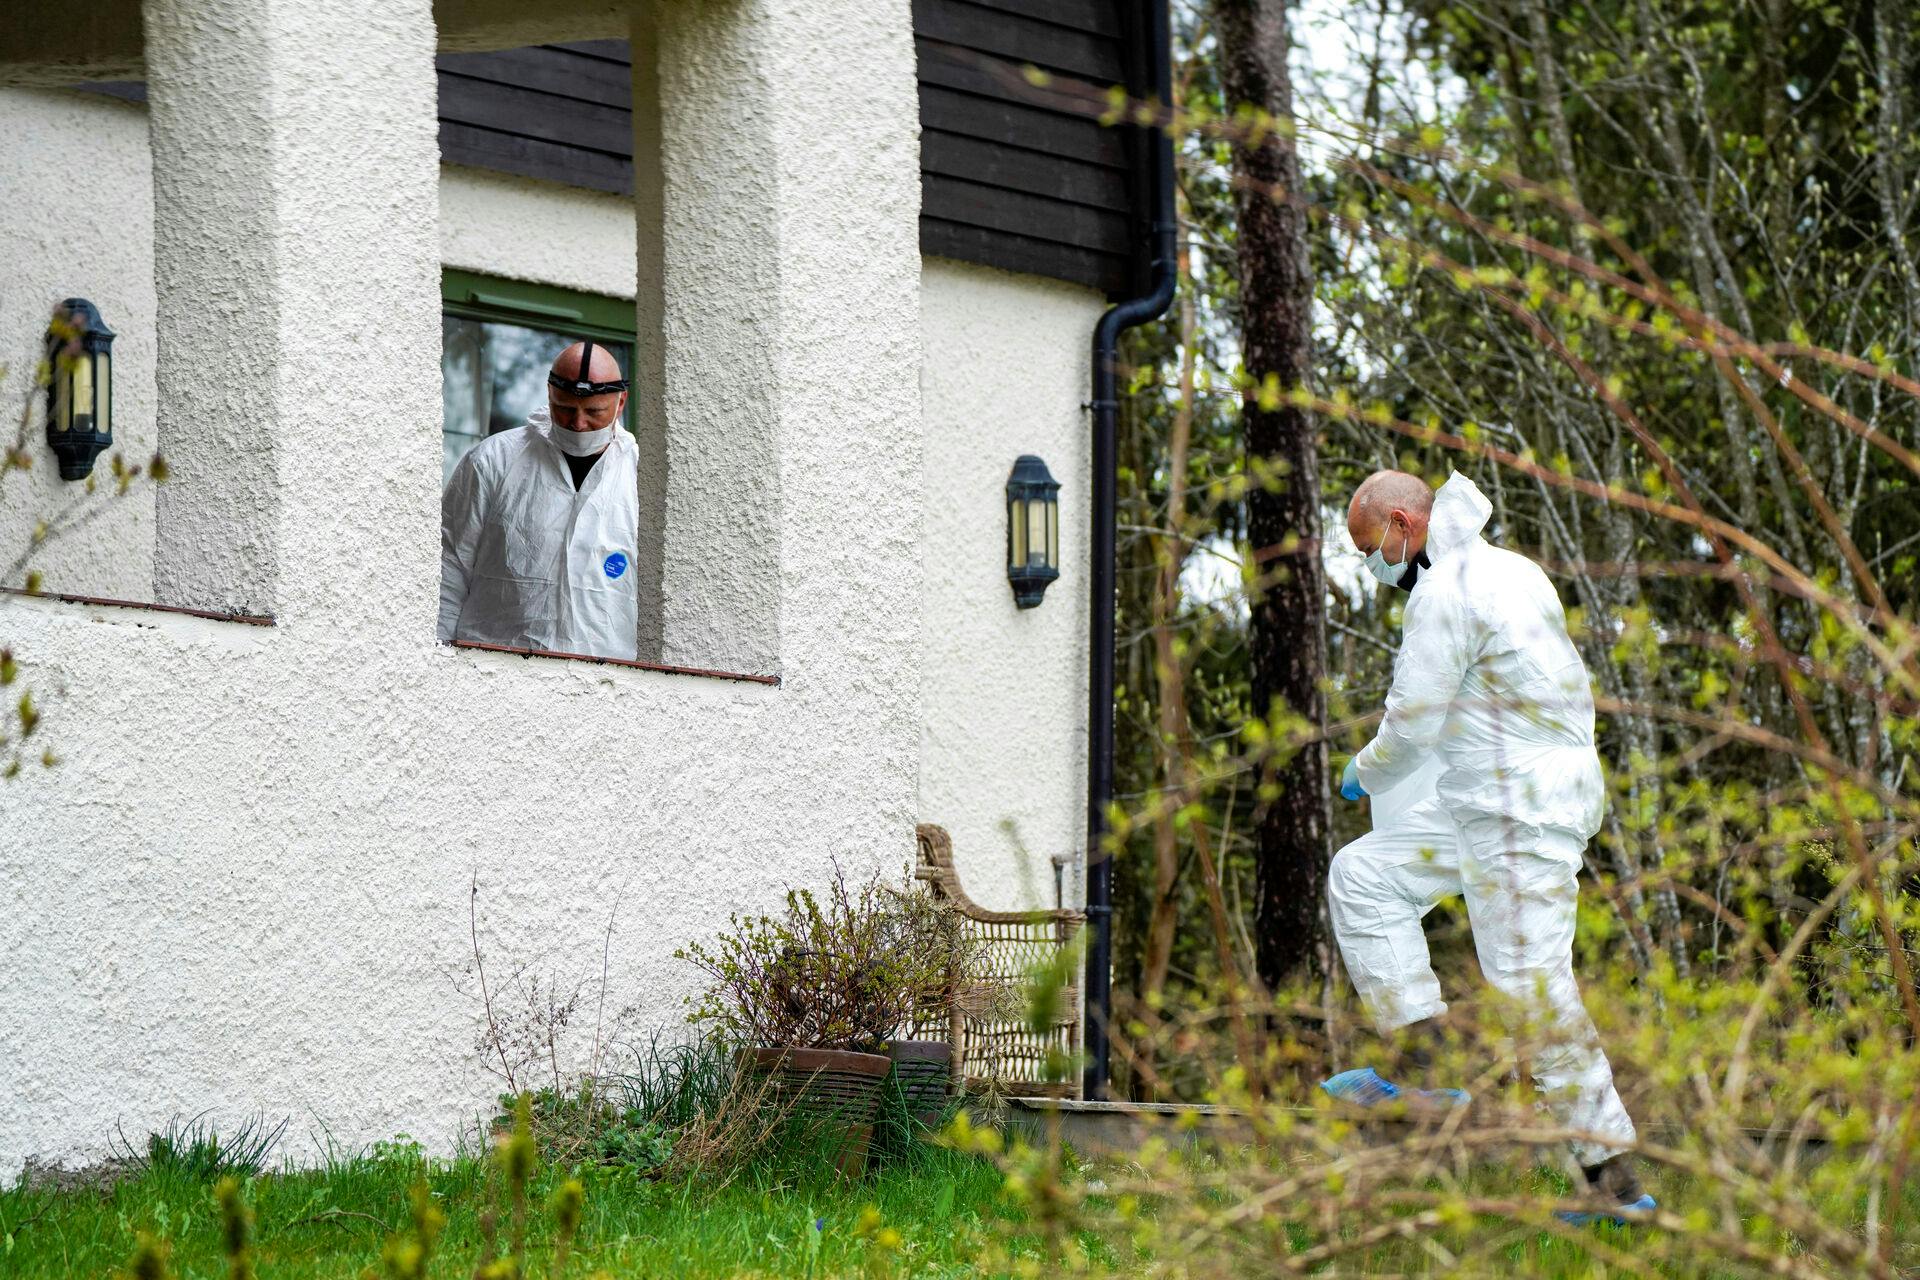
616 564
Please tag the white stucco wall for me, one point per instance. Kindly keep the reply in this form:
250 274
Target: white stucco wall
247 883
1004 690
504 225
76 220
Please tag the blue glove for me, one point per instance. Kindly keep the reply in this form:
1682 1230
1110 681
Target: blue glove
1350 788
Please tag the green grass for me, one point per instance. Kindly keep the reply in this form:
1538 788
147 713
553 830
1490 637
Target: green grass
332 1222
792 1218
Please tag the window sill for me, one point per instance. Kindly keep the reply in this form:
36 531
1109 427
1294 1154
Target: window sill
265 620
245 619
618 662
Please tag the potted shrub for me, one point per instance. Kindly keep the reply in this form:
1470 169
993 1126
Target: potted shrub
809 998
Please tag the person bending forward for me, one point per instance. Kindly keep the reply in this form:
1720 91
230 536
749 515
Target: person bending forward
1487 677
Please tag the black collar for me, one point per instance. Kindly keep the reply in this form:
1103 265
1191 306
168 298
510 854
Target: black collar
1412 575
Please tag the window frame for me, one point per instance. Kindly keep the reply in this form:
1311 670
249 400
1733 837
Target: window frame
474 295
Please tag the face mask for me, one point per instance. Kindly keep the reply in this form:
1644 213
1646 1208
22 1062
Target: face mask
1388 573
582 444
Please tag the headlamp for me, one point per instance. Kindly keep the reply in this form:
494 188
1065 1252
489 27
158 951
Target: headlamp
579 386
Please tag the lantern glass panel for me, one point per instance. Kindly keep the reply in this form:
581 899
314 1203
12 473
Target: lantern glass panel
1053 533
1017 522
81 382
62 399
103 392
1036 531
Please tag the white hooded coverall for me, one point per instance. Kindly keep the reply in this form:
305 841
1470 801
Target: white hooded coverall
1487 679
527 561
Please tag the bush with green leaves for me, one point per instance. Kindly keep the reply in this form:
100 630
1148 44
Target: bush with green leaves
847 970
586 1126
636 1142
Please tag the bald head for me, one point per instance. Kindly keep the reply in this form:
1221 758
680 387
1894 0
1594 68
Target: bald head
604 368
571 412
1389 514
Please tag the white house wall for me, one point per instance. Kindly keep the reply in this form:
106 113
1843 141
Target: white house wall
246 886
76 220
1003 689
502 225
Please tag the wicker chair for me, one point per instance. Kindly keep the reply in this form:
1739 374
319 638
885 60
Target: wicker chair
986 1018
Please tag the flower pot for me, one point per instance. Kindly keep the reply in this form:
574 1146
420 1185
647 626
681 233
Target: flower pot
834 1091
924 1070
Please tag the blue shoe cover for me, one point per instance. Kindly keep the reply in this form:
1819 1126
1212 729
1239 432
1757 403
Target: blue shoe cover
1364 1087
1581 1218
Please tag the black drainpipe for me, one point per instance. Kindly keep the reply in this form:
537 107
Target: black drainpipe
1157 39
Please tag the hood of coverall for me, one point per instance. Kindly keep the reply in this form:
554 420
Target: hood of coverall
1460 512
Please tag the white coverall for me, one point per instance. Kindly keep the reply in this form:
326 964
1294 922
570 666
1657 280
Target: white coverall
1487 679
529 562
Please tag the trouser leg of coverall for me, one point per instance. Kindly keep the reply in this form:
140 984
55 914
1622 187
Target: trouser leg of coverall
1522 907
1378 888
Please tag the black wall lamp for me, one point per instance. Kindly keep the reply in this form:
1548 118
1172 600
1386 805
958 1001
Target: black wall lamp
80 393
1033 530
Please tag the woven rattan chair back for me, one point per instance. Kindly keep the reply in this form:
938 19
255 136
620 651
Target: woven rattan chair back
986 1018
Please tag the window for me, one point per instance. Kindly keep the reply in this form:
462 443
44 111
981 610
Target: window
497 339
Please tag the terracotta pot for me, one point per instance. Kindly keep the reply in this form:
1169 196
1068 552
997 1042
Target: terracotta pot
836 1090
924 1069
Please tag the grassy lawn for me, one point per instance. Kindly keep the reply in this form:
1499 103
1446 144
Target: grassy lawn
926 1211
942 1213
333 1222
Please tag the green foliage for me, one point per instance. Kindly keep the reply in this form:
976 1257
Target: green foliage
406 1256
637 1143
399 1217
236 1221
592 1123
149 1261
847 972
672 1084
194 1151
1608 262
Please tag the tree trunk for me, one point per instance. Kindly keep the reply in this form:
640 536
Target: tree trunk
1288 626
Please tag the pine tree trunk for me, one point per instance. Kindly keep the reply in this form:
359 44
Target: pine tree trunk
1288 627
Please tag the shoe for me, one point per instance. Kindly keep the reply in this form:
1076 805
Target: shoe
1364 1087
1585 1217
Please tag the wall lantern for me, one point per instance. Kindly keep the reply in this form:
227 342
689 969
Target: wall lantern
80 395
1033 530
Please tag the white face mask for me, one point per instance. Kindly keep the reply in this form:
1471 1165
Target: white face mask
1377 562
582 444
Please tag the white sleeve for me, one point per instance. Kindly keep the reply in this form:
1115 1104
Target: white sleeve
1436 648
461 519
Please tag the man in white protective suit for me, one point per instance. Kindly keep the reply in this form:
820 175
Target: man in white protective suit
538 525
1490 701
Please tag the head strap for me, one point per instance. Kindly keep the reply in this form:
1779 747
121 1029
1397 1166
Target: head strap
579 384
